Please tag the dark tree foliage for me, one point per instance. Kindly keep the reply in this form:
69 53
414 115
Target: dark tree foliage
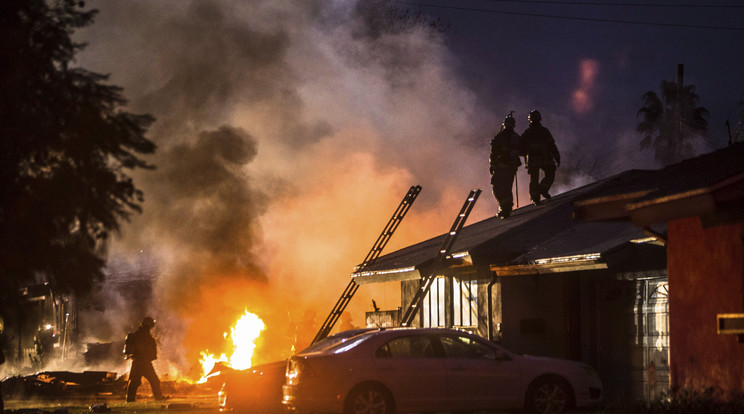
66 146
671 123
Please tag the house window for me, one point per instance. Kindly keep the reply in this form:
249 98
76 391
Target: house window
464 304
434 305
465 297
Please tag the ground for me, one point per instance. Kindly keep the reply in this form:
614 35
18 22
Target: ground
186 404
191 404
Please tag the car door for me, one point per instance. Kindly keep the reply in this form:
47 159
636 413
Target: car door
410 367
479 376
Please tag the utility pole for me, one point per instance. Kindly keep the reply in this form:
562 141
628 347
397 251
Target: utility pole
678 106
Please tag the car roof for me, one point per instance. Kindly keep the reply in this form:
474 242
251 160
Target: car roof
368 334
419 331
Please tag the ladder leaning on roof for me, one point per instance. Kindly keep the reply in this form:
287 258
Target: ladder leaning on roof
373 254
444 251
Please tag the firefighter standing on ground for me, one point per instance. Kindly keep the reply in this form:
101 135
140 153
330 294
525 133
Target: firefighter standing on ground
504 161
141 348
540 153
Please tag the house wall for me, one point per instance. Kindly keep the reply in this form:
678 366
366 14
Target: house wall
408 289
706 277
618 326
534 317
616 323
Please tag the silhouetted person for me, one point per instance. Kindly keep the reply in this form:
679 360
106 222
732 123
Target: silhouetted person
540 153
347 323
503 162
307 329
141 348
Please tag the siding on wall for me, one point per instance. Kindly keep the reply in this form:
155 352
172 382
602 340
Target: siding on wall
705 270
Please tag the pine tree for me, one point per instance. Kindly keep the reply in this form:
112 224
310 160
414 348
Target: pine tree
66 147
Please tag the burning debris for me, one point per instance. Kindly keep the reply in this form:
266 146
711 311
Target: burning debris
64 383
243 336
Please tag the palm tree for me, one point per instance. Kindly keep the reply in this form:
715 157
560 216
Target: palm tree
673 123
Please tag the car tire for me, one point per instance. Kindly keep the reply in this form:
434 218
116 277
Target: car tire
369 400
549 396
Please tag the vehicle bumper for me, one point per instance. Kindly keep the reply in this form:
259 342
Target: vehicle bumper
297 398
589 395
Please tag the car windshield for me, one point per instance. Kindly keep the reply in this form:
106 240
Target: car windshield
348 344
333 340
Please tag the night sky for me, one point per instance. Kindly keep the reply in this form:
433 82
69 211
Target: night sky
540 53
289 131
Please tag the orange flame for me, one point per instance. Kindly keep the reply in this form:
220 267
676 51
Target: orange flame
243 336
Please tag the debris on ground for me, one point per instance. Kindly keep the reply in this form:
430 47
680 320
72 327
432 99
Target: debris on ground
63 383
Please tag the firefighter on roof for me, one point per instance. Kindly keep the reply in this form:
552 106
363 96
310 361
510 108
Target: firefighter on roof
141 348
503 162
540 153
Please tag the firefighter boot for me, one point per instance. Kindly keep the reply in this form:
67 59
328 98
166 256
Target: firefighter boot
505 212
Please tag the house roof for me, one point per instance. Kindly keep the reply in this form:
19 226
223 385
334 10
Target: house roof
544 236
694 187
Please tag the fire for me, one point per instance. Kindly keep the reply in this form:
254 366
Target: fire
243 336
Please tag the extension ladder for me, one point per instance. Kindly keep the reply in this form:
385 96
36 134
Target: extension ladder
444 251
373 254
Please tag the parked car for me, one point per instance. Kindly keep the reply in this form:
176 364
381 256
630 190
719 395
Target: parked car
258 390
432 370
254 390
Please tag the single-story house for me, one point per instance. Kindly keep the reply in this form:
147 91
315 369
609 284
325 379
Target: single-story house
543 282
701 202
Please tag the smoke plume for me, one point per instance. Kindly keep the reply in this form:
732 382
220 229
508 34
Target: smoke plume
288 132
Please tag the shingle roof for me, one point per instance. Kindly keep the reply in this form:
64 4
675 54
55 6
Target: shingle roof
531 232
550 230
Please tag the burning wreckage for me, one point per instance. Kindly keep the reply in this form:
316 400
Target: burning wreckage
64 383
44 326
244 387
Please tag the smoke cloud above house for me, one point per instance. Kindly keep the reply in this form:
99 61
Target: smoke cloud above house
288 132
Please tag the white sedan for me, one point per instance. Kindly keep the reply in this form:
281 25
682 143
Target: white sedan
432 370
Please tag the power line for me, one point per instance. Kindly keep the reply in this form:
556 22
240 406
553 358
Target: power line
613 4
555 16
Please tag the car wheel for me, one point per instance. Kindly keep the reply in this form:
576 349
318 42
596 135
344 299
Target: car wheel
369 400
550 396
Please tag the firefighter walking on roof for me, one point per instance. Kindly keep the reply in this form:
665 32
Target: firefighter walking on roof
141 348
540 153
504 161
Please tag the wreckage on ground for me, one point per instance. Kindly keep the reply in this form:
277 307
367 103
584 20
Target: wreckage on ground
64 383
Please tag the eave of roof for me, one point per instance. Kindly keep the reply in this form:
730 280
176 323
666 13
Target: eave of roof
694 187
552 265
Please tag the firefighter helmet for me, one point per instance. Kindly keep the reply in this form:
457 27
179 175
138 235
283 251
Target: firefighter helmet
509 121
148 322
534 116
